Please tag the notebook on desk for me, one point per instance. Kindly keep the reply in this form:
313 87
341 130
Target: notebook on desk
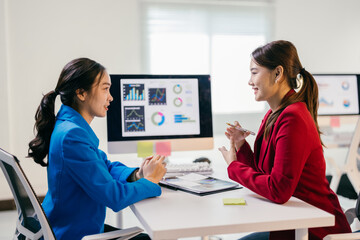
198 184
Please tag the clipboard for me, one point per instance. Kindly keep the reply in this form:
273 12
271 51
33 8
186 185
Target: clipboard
198 184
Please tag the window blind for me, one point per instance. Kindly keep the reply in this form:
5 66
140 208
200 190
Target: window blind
208 37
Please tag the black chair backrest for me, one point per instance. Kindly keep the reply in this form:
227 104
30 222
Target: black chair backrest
357 207
28 219
22 201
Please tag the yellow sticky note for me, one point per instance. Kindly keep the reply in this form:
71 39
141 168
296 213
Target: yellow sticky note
163 148
145 149
234 201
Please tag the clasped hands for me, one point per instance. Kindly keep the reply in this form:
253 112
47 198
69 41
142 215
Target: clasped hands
237 139
153 168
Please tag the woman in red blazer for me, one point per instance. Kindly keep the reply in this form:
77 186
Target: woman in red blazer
288 156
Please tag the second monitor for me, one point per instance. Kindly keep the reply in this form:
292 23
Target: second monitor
175 108
339 94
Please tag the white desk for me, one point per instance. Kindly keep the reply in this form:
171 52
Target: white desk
177 214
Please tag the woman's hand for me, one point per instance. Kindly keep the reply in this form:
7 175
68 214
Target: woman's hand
153 168
140 173
230 155
237 135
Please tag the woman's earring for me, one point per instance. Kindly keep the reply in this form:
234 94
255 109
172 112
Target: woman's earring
299 81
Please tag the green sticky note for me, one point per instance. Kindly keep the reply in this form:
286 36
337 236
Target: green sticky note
145 149
234 201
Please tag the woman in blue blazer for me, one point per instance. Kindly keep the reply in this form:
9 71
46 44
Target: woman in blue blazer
82 182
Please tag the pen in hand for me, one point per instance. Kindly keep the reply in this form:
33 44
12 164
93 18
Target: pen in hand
240 128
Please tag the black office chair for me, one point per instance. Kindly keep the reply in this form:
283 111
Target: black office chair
32 223
351 215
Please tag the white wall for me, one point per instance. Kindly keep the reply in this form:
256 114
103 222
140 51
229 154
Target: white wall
325 32
4 109
4 98
44 35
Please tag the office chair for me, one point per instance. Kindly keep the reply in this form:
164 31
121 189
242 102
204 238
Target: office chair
351 214
32 223
352 164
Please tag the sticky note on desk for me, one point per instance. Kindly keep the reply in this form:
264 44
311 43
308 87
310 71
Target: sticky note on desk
163 148
145 149
234 201
335 121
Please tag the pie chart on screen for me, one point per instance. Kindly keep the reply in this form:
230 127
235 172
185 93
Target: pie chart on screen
158 118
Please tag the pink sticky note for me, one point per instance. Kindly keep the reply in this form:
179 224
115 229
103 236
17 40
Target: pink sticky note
163 148
335 121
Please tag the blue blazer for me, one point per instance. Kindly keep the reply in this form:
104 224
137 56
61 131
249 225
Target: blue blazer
82 182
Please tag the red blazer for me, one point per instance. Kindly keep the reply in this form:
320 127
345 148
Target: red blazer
289 163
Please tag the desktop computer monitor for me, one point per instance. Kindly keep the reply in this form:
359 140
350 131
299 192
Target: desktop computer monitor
339 94
173 108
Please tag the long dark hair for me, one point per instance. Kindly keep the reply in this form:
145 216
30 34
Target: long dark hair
81 74
283 53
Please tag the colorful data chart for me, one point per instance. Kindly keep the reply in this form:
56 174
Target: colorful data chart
134 119
325 102
134 126
134 112
345 85
178 102
158 118
180 118
177 89
157 96
133 92
346 103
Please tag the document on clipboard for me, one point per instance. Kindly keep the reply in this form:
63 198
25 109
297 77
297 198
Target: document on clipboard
198 184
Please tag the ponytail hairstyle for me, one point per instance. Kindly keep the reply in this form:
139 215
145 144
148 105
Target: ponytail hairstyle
283 53
81 74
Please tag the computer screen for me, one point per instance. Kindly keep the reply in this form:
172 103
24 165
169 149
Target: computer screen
174 108
338 94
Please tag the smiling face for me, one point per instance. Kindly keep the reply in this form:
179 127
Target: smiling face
268 85
262 81
95 102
